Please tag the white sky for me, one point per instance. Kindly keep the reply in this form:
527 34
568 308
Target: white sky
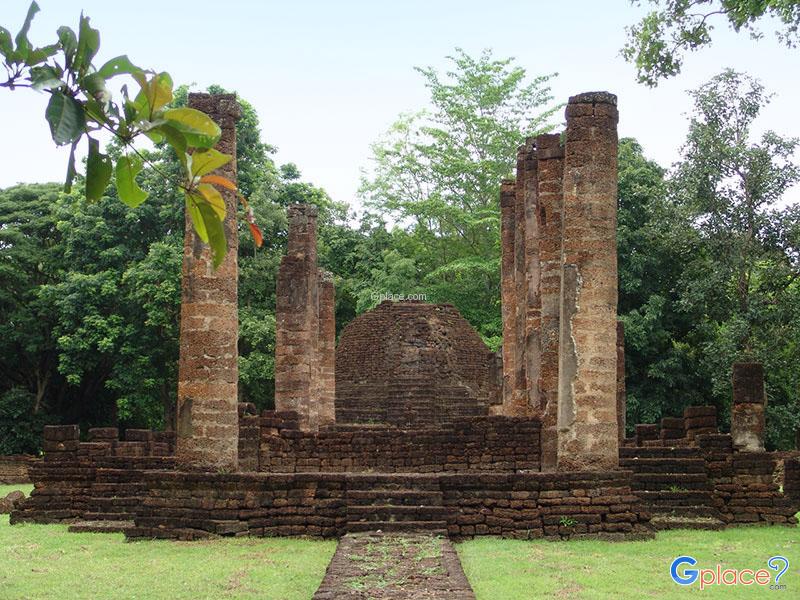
328 77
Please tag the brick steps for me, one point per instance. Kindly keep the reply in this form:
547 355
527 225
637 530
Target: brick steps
107 516
673 484
396 497
663 522
664 465
659 452
429 527
394 513
103 526
667 481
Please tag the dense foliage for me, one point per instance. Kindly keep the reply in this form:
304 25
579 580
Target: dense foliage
659 42
709 257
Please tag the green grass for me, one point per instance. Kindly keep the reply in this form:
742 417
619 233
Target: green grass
6 489
45 561
509 569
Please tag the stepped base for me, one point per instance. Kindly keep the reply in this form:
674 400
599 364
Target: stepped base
427 527
662 522
105 526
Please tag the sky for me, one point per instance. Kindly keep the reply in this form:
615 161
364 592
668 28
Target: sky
327 78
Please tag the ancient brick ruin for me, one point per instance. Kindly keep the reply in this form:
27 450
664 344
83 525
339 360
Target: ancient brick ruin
410 423
559 287
410 364
208 369
305 334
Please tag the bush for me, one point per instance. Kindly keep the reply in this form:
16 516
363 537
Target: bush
20 429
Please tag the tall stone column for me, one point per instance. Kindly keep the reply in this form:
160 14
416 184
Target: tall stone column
531 298
550 158
748 413
207 413
508 224
327 350
519 400
587 395
297 318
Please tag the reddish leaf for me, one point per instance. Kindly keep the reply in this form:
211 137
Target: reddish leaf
258 237
219 180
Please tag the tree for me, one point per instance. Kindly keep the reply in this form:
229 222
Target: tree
654 241
657 44
742 280
438 174
82 104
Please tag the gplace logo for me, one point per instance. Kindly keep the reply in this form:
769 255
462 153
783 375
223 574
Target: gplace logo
719 576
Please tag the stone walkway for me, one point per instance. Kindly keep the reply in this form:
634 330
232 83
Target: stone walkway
394 565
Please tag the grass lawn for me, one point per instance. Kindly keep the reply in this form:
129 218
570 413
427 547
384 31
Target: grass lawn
509 569
6 489
44 561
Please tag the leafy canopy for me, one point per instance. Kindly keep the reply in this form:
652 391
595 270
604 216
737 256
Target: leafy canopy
82 105
658 43
437 172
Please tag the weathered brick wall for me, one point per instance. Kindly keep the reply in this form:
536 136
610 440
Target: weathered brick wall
522 505
410 363
14 468
97 480
708 473
744 487
208 371
566 505
478 444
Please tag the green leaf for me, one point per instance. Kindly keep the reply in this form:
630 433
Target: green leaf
98 172
205 161
71 172
178 142
45 78
214 199
88 44
23 45
6 47
155 93
69 42
193 201
66 118
198 128
128 167
120 65
94 85
216 234
208 225
38 55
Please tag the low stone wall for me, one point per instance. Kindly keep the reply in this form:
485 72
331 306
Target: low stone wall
676 431
96 480
473 444
708 480
14 468
744 486
182 505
